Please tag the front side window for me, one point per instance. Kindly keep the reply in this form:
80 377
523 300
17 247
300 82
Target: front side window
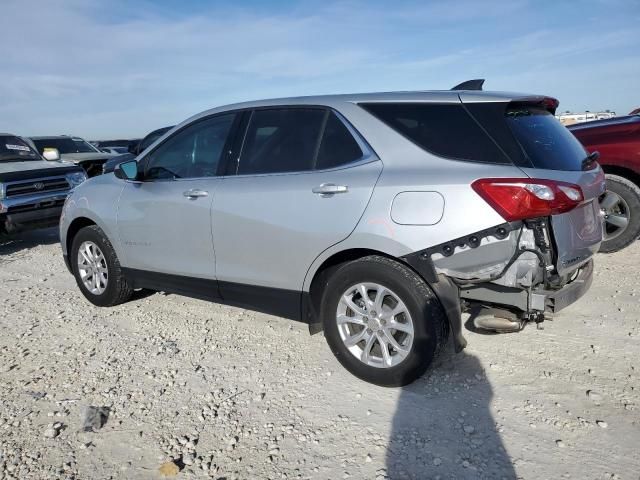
281 140
193 152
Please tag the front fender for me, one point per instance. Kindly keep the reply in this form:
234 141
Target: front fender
96 201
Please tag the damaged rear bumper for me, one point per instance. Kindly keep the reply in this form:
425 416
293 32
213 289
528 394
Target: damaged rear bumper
536 299
556 300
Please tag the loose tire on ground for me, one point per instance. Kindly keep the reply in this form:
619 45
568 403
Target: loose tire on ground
117 290
430 326
630 194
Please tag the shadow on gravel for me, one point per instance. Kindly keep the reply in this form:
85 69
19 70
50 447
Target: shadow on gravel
21 241
443 426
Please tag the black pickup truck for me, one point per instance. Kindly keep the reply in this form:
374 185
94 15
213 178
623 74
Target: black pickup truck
32 189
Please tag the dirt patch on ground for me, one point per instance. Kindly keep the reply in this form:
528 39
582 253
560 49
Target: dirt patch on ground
207 391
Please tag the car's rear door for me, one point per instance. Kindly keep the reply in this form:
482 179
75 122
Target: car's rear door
302 181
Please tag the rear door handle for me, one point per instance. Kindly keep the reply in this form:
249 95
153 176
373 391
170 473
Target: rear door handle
195 193
327 189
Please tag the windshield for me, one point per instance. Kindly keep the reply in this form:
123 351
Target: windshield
14 149
65 145
545 141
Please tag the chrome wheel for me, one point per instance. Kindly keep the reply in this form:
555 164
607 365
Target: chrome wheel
375 325
616 214
92 268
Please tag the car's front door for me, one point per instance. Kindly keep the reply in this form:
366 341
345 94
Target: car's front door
301 184
164 221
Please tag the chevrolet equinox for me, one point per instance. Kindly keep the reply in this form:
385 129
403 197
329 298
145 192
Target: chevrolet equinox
375 218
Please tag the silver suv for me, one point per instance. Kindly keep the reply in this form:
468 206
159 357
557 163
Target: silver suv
376 218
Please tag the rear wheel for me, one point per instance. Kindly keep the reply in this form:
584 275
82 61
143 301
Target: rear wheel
621 207
382 321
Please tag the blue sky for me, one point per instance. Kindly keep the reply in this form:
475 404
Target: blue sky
114 68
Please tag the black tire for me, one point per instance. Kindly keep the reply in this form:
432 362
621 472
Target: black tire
118 289
630 193
429 321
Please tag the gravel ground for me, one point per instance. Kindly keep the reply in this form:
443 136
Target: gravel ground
229 393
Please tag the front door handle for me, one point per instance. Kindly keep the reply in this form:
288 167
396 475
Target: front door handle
328 189
195 193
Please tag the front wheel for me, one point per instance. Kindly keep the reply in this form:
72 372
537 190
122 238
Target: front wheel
382 321
97 269
621 207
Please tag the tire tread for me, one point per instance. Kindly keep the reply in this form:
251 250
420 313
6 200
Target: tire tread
633 229
122 291
421 296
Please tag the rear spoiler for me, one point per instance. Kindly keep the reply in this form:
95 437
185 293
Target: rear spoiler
470 85
547 103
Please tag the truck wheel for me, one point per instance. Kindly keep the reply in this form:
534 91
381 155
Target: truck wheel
382 321
621 207
97 269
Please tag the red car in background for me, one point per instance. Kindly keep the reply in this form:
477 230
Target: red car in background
618 141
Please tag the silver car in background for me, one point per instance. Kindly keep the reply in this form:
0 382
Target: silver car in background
376 218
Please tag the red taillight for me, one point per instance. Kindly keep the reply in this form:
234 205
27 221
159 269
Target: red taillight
521 198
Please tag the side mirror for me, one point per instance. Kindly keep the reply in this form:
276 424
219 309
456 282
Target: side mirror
51 154
126 170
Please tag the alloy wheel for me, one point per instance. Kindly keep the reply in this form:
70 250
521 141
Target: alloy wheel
616 214
375 325
92 268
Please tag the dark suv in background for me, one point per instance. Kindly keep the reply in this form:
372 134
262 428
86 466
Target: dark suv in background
618 142
135 149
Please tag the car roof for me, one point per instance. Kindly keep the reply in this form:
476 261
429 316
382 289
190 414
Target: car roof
435 96
400 96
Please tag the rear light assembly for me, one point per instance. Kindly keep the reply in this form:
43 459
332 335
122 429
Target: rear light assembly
524 198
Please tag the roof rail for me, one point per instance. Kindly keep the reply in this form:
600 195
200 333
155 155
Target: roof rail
470 85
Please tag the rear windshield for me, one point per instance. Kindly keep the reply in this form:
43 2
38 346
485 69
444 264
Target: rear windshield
521 134
15 149
446 130
545 141
64 145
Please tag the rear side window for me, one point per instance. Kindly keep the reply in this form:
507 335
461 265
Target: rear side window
281 140
446 130
544 140
338 147
296 140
